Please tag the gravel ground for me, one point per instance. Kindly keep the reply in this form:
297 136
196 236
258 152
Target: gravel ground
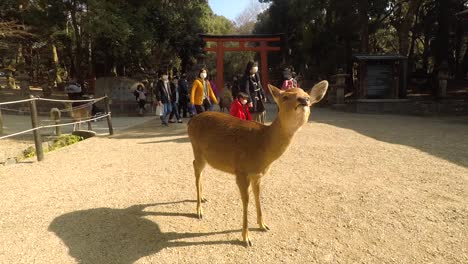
351 189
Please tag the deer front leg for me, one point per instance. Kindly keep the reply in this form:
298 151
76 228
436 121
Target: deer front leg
256 191
243 182
198 166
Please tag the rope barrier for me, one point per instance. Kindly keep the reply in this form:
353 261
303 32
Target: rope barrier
89 102
59 125
17 102
71 101
19 133
77 122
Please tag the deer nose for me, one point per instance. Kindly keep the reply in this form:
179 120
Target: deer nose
303 100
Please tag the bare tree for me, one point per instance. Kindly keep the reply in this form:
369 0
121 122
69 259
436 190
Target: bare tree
245 21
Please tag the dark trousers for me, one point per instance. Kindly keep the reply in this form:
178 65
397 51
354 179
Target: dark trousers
141 104
199 109
183 108
202 108
175 111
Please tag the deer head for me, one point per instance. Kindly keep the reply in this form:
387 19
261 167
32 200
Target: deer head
294 104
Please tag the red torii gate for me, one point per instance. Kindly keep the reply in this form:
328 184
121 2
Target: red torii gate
220 48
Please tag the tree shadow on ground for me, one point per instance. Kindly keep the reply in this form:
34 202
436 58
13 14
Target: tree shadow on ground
441 137
107 235
173 140
152 130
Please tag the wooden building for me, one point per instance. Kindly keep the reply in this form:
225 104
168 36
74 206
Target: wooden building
379 76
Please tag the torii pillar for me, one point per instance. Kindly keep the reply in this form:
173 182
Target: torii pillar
261 47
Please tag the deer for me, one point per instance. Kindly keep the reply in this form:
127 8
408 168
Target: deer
249 148
79 113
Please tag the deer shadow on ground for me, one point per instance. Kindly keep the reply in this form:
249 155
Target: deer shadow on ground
108 235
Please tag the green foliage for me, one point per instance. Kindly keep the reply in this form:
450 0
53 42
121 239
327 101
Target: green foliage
321 36
102 35
29 152
60 142
64 140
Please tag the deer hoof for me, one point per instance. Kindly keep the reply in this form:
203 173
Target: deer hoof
248 243
200 213
263 226
204 200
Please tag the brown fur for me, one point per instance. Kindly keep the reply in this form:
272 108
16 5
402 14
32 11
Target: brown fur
247 149
80 113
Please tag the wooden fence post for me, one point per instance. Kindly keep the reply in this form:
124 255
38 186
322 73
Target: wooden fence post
36 133
109 119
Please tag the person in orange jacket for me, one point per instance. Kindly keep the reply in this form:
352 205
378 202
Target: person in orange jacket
202 96
239 107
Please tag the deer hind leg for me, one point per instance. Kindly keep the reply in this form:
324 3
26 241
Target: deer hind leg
243 182
256 191
199 165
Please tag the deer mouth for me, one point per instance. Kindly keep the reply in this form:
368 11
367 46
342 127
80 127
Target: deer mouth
302 105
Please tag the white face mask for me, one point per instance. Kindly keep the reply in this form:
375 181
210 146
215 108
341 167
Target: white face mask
203 75
254 70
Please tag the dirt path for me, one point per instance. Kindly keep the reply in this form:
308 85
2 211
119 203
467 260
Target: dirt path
351 189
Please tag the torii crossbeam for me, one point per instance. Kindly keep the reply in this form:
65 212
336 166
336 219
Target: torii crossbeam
242 40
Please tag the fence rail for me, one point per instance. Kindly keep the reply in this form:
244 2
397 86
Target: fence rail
36 128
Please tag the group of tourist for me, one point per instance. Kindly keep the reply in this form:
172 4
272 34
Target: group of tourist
175 99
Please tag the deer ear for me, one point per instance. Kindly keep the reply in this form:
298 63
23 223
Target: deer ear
318 92
275 92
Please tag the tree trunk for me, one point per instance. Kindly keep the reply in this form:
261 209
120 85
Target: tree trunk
459 51
364 22
465 63
76 29
425 55
405 27
442 37
55 59
19 55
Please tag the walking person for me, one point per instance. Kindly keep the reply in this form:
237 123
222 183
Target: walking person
175 98
288 80
163 96
239 107
140 96
202 96
253 88
215 90
235 86
183 96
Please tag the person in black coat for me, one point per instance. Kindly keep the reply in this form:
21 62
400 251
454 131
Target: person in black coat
175 98
183 96
252 86
163 96
235 86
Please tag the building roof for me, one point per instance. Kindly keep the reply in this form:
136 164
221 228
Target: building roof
379 57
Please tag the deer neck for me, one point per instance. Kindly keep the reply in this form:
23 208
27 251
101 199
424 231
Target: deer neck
279 137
